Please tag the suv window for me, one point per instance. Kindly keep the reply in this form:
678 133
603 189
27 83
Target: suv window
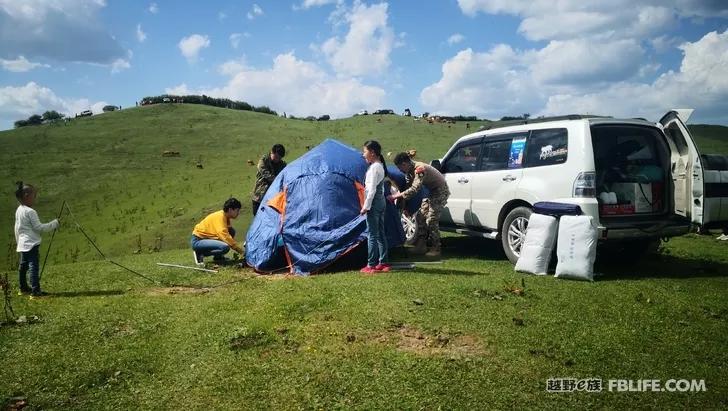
495 155
464 159
503 152
547 147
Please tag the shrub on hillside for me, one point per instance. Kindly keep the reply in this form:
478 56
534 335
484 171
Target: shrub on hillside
52 115
208 101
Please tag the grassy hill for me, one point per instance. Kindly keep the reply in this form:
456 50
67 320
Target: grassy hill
467 333
111 171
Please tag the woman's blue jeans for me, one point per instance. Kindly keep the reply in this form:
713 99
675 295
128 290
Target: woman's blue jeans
377 237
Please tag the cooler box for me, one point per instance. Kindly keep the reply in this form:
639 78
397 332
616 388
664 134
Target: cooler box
642 197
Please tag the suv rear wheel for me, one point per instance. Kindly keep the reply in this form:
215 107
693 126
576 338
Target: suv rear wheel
513 232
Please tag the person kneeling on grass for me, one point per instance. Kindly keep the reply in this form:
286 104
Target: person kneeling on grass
213 236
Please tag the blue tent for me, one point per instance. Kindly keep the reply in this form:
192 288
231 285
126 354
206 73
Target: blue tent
309 216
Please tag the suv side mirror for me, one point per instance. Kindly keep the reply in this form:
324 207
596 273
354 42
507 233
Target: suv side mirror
436 164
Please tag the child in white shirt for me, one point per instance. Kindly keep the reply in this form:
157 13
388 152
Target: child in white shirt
28 229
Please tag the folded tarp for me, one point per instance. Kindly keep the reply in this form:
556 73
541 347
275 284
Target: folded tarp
577 248
538 244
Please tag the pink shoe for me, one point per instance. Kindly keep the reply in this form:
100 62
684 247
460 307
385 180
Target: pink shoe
368 270
383 267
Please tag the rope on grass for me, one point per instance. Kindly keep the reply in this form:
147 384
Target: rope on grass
137 273
101 252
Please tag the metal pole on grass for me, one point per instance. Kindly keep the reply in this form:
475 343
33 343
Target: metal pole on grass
187 267
50 243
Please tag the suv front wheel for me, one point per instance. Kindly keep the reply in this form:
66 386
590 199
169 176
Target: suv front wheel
513 232
410 226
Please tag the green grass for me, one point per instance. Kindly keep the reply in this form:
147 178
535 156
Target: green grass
111 171
109 340
458 335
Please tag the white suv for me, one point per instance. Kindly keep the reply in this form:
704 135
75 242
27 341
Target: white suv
640 181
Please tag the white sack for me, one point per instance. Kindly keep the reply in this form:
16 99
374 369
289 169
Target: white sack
577 248
538 244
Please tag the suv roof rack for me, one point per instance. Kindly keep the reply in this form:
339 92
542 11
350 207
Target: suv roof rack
499 124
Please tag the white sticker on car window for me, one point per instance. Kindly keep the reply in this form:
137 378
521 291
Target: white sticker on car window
515 159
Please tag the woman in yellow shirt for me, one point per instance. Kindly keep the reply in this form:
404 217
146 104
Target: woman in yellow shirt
214 235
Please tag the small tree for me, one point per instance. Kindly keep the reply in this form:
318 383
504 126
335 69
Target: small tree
52 115
35 120
21 123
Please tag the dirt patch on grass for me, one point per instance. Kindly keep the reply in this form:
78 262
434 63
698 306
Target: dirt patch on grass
432 343
122 329
245 338
177 290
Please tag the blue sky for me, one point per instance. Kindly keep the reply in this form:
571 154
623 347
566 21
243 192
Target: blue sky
488 58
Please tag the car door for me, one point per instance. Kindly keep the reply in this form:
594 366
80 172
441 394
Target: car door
715 181
498 175
685 167
458 169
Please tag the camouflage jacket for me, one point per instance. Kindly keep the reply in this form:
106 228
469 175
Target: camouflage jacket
267 172
423 175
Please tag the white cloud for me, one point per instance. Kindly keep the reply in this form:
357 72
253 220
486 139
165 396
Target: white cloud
255 12
192 45
20 65
140 35
664 43
455 39
17 103
236 37
232 67
221 16
485 84
179 90
153 8
568 19
307 4
366 47
550 81
579 61
55 29
296 87
119 65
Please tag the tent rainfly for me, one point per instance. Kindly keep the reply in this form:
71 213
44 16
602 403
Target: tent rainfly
309 217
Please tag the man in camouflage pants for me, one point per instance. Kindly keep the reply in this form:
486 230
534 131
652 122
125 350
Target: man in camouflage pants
419 174
268 168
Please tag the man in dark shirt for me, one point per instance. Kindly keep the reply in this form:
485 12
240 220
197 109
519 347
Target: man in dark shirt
268 168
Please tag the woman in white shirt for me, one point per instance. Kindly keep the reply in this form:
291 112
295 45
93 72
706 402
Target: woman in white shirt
374 206
28 229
